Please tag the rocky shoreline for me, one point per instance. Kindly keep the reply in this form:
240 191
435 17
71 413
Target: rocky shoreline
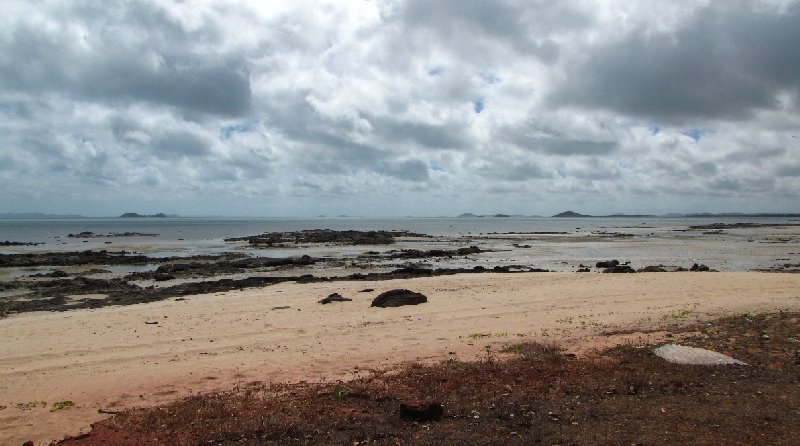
59 281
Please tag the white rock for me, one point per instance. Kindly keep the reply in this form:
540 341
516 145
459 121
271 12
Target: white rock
682 354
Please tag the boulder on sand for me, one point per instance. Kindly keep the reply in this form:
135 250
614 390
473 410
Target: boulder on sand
396 298
335 297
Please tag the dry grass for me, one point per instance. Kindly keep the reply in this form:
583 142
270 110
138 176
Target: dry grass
625 395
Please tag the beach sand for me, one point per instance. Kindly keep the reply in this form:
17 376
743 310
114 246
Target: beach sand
117 357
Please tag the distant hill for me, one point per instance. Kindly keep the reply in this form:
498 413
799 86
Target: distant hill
135 215
570 214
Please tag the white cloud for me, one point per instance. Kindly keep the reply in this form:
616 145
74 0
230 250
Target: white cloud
399 107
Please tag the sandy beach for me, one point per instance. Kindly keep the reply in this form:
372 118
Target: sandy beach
114 358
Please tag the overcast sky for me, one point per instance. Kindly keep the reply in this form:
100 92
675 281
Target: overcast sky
394 108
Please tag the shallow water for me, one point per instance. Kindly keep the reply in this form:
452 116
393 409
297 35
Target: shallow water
559 244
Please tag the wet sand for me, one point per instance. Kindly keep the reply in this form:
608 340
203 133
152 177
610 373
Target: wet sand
117 357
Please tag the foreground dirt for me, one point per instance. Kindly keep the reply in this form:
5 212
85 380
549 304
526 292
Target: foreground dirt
118 358
624 395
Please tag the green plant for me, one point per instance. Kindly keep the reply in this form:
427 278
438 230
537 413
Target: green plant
480 335
678 314
61 405
31 405
341 392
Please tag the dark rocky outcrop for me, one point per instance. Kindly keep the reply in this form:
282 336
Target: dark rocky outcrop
396 298
421 410
55 274
699 268
8 243
73 258
335 297
328 236
619 269
652 269
607 264
418 254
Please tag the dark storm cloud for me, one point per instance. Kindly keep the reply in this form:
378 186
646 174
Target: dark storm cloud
727 60
430 136
411 170
788 170
127 52
755 155
324 147
521 170
565 147
522 25
723 185
180 144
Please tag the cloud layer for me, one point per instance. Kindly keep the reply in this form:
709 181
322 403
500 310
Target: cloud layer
399 107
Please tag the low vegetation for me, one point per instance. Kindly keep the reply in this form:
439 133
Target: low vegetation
540 395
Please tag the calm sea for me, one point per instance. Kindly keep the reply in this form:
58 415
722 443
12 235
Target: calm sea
215 229
659 240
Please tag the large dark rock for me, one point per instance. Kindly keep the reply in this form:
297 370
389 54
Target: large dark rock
652 269
396 298
620 269
699 268
421 410
335 297
607 264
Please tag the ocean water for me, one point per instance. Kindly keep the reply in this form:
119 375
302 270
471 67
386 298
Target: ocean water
652 241
206 229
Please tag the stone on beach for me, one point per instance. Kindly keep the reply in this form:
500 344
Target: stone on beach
334 297
682 354
396 298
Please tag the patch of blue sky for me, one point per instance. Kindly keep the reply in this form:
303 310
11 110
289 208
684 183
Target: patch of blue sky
695 134
226 132
654 129
490 78
7 108
478 105
435 71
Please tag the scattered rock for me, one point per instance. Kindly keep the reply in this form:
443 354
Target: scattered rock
324 236
682 354
583 270
8 243
28 443
699 268
421 410
396 298
367 290
151 322
161 277
620 269
284 307
607 264
335 297
652 269
56 273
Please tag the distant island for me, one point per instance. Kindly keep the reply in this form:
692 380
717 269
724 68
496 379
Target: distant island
471 215
570 214
135 215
